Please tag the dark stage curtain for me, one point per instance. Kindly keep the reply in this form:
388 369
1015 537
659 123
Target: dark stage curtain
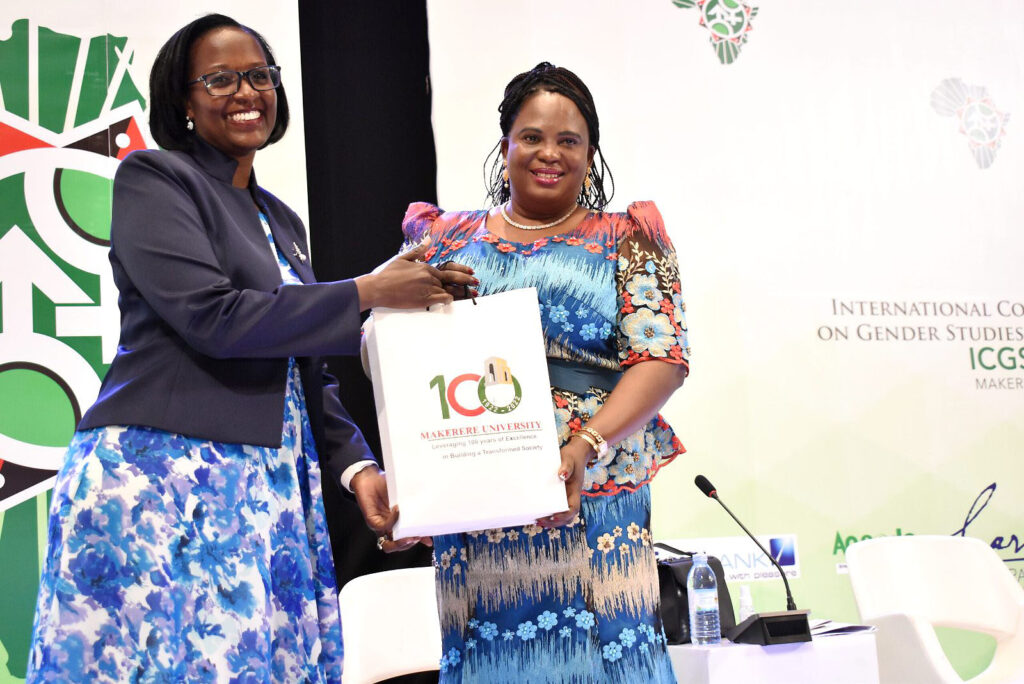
369 153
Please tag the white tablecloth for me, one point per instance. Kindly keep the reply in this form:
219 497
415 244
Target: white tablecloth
840 659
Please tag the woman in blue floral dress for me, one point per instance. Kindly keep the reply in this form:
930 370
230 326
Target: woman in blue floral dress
573 598
187 540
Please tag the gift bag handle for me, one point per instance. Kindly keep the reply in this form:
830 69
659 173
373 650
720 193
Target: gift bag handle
440 267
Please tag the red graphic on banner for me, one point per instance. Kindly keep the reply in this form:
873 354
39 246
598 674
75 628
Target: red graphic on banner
13 140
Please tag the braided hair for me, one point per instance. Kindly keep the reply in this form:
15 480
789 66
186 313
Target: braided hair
548 78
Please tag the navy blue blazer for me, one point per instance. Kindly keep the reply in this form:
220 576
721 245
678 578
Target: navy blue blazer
206 325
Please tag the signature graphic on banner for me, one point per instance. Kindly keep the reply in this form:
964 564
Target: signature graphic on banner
1009 543
728 21
69 111
1001 542
979 119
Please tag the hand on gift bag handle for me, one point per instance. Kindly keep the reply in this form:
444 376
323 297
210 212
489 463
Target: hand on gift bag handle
371 490
406 282
574 465
459 280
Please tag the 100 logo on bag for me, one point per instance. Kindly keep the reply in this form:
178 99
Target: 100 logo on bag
466 451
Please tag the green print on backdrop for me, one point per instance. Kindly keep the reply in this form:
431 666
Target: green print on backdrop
728 21
58 63
70 111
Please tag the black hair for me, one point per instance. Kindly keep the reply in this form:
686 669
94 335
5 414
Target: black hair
549 78
168 84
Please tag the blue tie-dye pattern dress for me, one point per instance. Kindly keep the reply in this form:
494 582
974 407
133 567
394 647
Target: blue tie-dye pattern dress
174 559
579 603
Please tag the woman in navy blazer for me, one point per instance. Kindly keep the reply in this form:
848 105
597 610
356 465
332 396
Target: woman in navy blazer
187 537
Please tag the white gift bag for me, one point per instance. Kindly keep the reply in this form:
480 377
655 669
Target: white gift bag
464 409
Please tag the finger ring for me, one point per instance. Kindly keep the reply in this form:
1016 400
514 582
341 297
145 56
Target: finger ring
380 542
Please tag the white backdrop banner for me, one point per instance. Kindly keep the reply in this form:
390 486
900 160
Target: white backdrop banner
841 181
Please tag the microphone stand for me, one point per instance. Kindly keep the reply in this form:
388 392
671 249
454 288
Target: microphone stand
780 627
790 603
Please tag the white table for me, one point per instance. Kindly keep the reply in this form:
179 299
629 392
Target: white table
839 659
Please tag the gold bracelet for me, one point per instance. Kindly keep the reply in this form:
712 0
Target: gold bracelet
593 445
586 438
599 443
596 435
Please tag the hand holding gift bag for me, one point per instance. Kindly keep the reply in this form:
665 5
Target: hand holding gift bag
464 409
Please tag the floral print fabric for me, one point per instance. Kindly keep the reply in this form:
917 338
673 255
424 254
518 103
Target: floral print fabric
577 604
580 603
609 297
174 559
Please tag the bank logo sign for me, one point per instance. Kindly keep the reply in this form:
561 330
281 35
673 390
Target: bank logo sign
69 112
783 550
728 22
742 561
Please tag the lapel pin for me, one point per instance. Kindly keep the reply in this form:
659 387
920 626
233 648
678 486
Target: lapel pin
298 253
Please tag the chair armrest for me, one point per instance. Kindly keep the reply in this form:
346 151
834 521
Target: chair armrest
909 652
1008 661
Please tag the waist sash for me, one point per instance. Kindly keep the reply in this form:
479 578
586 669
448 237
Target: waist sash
579 379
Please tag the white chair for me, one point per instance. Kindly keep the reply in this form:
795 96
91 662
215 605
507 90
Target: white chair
905 586
389 625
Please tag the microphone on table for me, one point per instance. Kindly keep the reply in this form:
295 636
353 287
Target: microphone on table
709 490
780 627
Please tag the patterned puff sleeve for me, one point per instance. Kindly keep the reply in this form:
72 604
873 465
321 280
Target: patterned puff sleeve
651 321
418 221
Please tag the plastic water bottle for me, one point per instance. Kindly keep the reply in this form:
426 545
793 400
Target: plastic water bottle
702 595
746 603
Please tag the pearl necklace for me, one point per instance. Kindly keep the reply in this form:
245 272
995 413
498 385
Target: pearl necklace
521 226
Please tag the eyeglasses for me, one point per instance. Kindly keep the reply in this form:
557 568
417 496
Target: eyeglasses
221 83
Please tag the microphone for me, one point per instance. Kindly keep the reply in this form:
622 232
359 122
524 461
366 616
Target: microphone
781 627
709 491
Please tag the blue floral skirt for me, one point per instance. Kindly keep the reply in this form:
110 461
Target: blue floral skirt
577 604
174 559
